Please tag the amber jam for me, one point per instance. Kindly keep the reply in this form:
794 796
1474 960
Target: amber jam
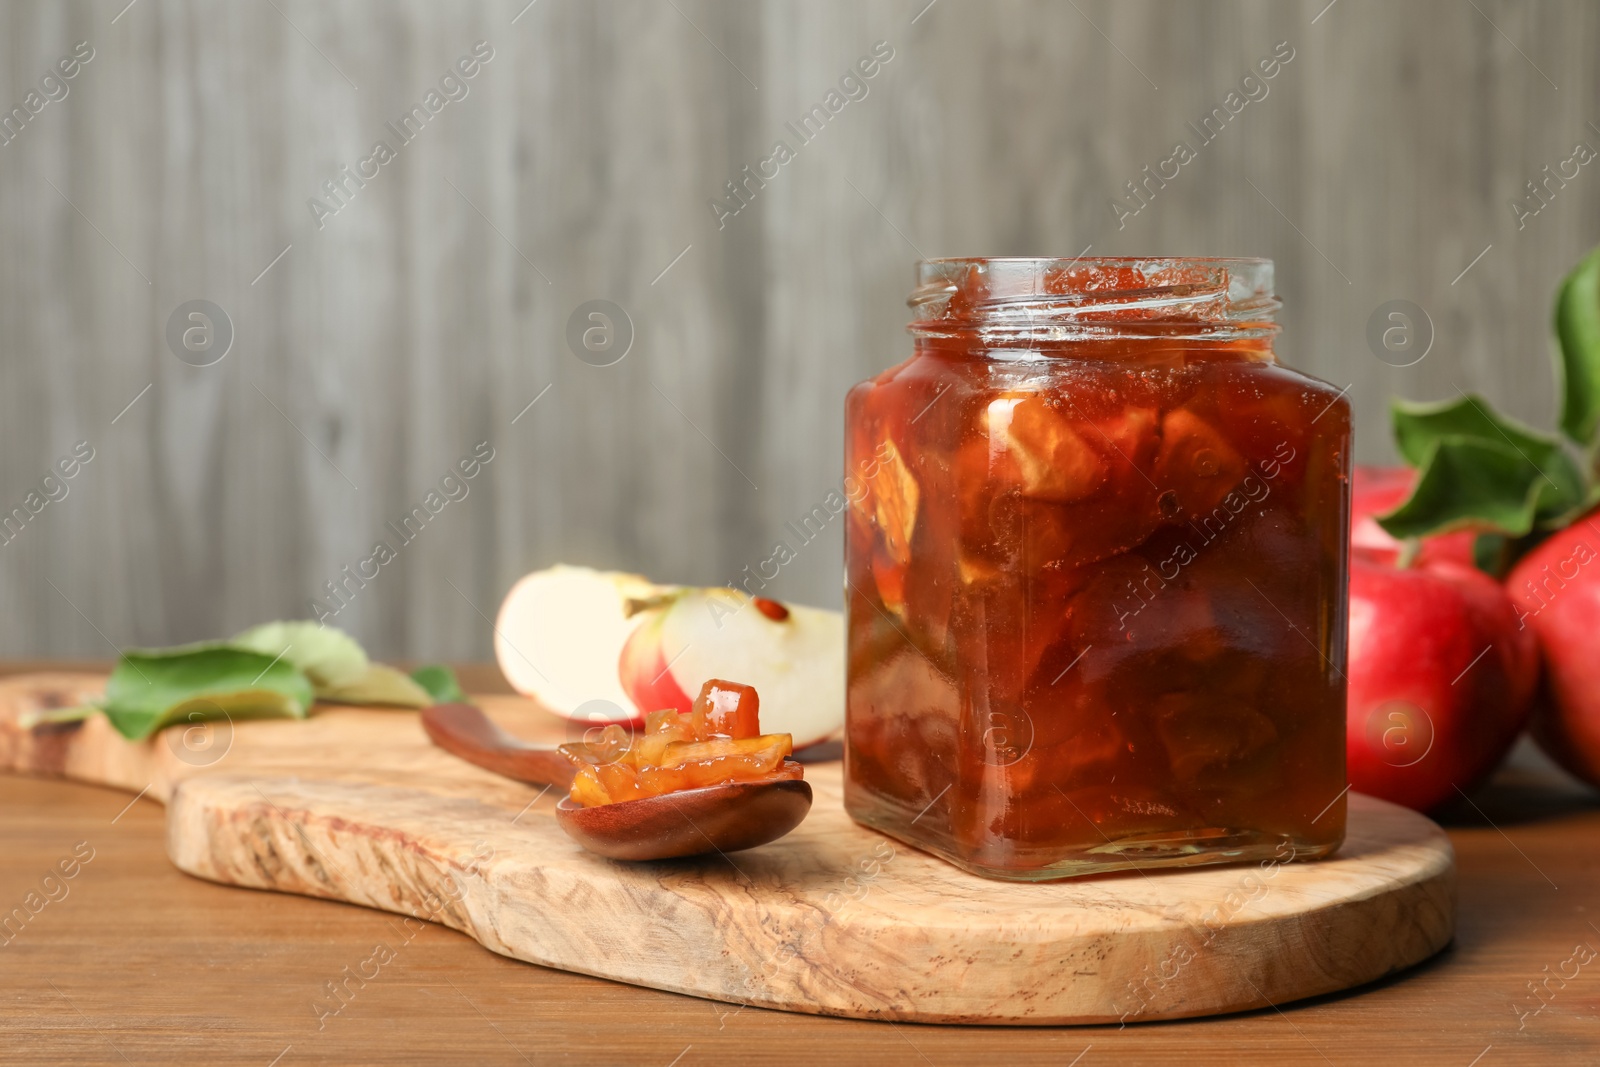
1095 574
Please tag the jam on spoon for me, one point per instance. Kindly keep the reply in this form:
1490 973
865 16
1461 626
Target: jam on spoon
718 742
716 792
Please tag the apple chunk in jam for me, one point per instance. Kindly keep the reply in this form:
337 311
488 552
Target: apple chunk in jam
717 742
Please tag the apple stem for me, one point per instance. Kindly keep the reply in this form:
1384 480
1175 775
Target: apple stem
1409 550
633 605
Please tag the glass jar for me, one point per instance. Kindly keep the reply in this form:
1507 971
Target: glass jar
1095 574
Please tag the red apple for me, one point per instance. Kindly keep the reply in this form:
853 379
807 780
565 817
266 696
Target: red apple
792 655
1441 679
1377 491
1556 588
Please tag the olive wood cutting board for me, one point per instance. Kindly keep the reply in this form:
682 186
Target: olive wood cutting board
356 805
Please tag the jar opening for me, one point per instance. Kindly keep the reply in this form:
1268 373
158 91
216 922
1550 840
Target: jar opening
1011 301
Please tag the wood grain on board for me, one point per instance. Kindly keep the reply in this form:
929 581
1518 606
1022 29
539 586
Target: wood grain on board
355 805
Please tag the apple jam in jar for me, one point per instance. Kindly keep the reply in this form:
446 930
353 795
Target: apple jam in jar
1095 574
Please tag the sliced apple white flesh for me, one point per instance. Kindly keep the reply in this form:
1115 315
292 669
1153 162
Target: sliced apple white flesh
559 635
792 655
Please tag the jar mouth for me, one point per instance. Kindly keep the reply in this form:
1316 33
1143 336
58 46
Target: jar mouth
1010 300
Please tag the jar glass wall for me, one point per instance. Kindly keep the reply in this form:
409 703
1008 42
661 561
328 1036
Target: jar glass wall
1095 574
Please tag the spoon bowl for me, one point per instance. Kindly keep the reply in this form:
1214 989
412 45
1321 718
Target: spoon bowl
719 818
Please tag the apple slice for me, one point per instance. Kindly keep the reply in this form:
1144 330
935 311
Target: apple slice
559 634
1032 445
1196 463
793 656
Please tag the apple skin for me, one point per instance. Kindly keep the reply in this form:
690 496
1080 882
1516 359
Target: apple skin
1556 588
1427 714
1377 491
645 672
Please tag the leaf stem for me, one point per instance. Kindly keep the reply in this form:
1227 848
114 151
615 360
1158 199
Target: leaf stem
1410 549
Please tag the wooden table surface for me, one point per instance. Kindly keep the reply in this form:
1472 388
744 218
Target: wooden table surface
131 961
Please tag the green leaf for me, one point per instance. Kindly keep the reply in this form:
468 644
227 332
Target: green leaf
1420 426
441 683
379 685
1528 479
1470 484
1578 332
329 657
1490 552
151 688
56 716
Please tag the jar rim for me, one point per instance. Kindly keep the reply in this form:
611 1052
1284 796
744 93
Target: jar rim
1253 260
1026 299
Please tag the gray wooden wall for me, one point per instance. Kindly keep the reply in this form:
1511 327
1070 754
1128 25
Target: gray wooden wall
426 314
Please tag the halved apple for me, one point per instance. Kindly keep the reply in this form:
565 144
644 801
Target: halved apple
577 640
558 636
792 655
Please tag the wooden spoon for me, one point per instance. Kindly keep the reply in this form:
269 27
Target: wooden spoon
718 818
464 730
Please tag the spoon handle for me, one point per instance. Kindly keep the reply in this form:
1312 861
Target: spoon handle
464 730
